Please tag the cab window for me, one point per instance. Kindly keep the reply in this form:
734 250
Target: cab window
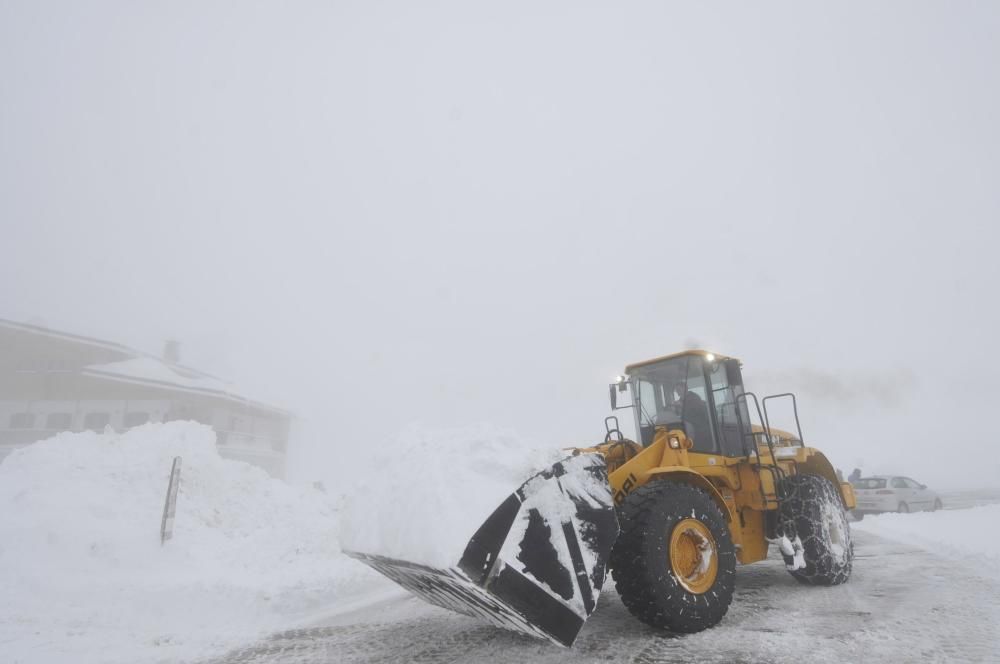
673 394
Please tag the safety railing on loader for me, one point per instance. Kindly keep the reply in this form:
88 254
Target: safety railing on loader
777 474
795 409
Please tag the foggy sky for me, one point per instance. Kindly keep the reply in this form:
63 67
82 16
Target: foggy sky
376 213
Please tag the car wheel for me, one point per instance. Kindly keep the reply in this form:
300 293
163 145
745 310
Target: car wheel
903 508
937 505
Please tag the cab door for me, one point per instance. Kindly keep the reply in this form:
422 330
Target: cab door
732 420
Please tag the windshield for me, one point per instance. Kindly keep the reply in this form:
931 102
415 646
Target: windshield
672 394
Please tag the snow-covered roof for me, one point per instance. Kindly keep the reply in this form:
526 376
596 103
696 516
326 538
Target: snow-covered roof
150 369
154 372
146 369
42 331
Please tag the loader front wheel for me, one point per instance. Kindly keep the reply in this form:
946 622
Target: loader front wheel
674 563
812 511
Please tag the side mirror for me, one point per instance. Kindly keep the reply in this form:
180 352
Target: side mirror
923 486
614 396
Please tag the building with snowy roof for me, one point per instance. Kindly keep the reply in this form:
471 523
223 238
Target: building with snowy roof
52 381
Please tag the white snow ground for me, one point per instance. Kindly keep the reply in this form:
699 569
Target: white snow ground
255 570
970 535
902 605
84 578
924 589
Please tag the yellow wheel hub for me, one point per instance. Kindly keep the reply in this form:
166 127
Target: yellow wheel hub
694 558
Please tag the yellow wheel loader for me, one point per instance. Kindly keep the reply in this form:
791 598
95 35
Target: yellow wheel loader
670 514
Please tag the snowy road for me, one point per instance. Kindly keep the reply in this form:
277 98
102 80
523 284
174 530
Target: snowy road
902 604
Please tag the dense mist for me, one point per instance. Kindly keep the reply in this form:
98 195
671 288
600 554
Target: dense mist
379 213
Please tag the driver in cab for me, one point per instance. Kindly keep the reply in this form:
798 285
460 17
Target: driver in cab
691 409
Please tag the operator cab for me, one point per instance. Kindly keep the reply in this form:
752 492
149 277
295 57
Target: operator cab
695 391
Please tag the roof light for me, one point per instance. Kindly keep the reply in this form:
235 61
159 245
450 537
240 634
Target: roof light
710 357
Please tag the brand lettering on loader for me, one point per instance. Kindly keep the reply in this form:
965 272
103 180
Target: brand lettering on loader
626 489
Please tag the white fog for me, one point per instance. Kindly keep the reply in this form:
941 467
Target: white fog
372 228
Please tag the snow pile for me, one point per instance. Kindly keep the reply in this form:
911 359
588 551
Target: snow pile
968 534
427 492
85 579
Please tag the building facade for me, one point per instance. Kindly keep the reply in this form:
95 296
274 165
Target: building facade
53 381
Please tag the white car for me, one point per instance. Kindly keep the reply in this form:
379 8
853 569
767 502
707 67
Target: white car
892 493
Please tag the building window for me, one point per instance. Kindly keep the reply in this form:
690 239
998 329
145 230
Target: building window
96 421
22 421
135 419
59 421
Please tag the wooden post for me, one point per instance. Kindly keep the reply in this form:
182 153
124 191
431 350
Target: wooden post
167 524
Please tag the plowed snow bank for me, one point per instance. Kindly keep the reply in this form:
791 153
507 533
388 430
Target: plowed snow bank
968 534
426 492
85 579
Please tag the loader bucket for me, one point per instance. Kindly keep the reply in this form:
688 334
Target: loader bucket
537 564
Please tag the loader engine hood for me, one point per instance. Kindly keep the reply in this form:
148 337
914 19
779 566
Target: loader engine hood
537 564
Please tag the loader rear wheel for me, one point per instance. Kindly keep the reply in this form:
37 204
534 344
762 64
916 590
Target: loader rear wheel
811 508
674 563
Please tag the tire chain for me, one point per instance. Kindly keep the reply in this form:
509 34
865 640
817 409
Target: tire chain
628 562
805 499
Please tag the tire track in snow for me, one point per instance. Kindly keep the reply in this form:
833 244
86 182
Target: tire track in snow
902 604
